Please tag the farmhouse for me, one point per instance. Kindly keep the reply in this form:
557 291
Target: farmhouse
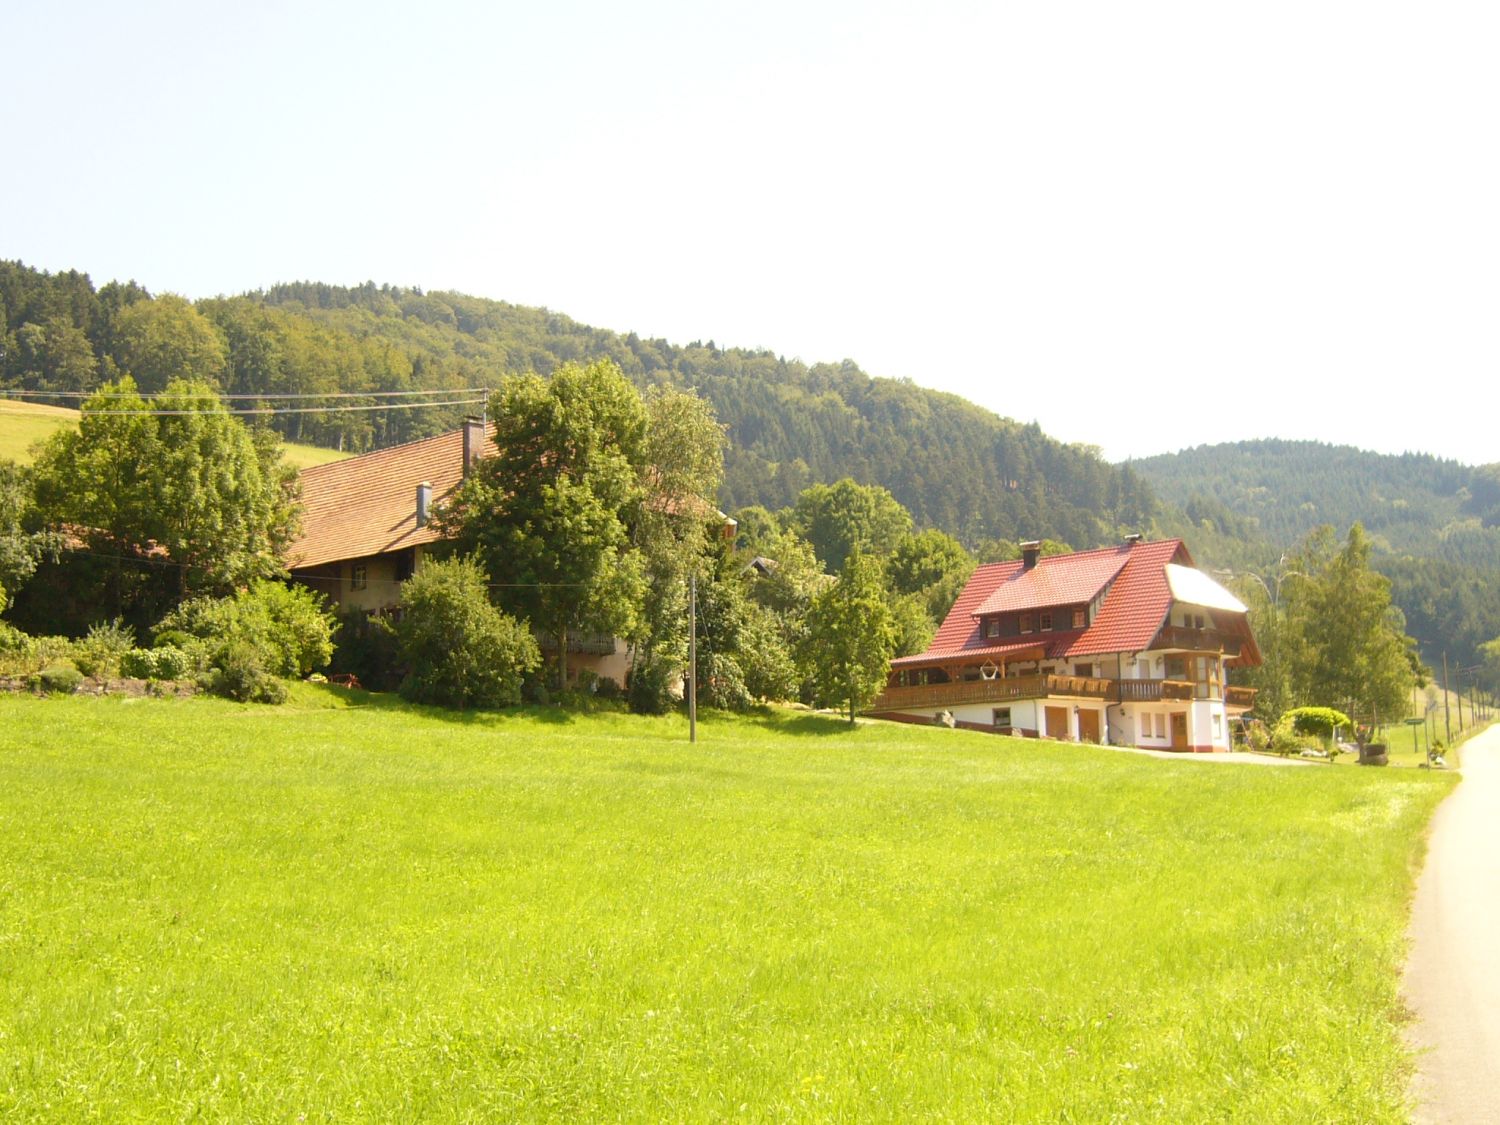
1127 645
367 525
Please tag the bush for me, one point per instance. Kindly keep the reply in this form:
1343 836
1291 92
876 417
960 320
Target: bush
99 654
167 662
1319 722
287 625
60 679
239 674
607 687
650 688
458 649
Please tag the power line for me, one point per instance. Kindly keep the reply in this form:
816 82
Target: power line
267 411
251 397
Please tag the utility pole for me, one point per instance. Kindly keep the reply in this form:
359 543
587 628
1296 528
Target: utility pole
693 657
1447 727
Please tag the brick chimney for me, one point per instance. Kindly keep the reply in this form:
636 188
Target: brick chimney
1031 550
473 442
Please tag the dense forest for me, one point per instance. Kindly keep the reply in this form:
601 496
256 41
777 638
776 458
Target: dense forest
1434 524
951 463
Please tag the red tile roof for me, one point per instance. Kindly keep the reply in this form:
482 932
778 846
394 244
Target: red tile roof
1055 581
367 505
1134 608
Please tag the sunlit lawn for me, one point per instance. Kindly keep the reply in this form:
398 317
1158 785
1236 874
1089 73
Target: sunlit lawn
379 913
23 424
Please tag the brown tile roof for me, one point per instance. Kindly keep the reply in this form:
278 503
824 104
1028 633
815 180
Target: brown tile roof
367 505
1134 609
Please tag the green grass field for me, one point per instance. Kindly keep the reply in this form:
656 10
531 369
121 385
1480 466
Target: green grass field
23 424
323 912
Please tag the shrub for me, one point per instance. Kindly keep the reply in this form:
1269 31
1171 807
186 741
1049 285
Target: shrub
60 679
1317 721
239 674
650 688
99 653
458 649
607 687
167 662
288 626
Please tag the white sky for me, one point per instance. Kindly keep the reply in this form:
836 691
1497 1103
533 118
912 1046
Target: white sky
1145 225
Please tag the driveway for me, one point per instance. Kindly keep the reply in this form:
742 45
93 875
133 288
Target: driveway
1453 974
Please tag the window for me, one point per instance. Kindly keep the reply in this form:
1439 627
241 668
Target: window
1026 626
1046 623
1084 670
1145 726
1001 717
1197 621
357 576
1218 726
1079 619
992 627
1161 726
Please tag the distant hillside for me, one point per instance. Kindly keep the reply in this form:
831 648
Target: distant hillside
953 464
1435 524
1412 504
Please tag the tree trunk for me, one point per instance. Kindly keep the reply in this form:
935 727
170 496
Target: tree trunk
562 658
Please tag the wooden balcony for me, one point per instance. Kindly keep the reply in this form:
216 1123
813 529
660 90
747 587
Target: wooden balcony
927 696
1241 698
1175 638
1155 691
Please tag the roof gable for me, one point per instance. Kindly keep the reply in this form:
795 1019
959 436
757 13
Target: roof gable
1055 580
1137 598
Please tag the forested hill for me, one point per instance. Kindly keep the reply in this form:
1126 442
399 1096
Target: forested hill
954 465
1412 504
1434 524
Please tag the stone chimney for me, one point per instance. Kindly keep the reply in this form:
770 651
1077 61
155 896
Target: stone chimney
1133 538
424 503
1031 550
473 442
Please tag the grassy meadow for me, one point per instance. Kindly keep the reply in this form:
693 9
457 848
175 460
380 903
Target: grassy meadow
23 424
349 909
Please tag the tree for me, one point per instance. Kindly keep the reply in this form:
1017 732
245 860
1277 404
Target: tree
675 528
850 638
840 518
1328 633
547 510
932 566
189 487
458 649
20 549
167 339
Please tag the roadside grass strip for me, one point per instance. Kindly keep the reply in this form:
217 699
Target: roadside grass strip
328 911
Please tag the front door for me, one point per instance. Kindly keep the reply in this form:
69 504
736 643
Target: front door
1179 732
1088 726
1057 722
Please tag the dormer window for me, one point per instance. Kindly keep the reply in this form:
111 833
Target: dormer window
1027 625
1046 623
1079 619
992 628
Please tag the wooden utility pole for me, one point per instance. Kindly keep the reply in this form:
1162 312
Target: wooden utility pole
1447 727
693 657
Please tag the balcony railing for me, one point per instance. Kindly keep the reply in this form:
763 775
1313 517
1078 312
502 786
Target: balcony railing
1154 691
1179 639
993 691
1240 697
